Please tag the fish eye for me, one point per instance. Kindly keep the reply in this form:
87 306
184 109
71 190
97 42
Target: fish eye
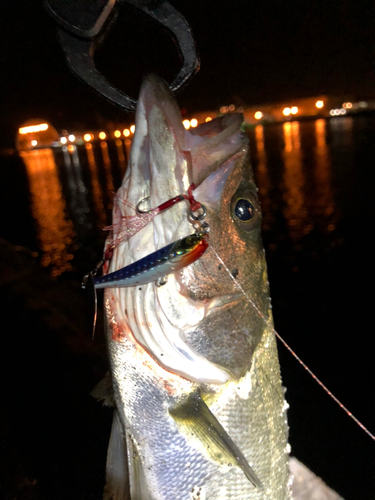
244 210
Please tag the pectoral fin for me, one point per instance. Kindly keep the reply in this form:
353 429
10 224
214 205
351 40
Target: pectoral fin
195 419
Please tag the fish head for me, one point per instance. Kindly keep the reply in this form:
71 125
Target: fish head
206 322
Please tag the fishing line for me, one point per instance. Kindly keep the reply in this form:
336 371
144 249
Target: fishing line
194 206
341 405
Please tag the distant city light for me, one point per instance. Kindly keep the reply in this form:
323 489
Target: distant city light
208 119
193 122
34 143
72 137
117 133
126 132
347 105
33 128
363 104
286 111
337 112
186 124
258 115
87 137
294 110
240 109
224 109
63 140
132 129
319 104
231 107
102 135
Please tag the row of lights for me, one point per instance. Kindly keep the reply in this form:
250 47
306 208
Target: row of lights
348 106
102 135
230 109
293 110
194 122
337 112
258 115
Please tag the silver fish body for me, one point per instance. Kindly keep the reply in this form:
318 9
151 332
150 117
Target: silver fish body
200 410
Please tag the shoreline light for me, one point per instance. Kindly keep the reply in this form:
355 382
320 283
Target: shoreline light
286 111
72 137
186 124
208 119
337 112
102 135
258 115
193 122
117 134
87 137
63 140
132 129
126 132
294 110
34 143
33 128
319 104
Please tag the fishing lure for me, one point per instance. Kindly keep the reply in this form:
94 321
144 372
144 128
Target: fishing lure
157 265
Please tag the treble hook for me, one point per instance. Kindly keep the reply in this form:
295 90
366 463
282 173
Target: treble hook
142 212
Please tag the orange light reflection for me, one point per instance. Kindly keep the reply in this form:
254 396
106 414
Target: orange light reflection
262 178
295 204
324 201
48 206
108 174
96 188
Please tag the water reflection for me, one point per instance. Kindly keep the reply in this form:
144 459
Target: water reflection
295 210
262 178
97 193
108 174
323 201
121 156
48 206
76 193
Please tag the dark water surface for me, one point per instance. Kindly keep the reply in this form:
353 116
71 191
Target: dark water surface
316 186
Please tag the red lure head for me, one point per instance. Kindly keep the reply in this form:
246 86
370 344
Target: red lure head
188 250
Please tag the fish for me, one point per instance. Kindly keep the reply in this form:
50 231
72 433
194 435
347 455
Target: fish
200 411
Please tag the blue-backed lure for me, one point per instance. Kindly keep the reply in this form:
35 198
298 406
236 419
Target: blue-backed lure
157 265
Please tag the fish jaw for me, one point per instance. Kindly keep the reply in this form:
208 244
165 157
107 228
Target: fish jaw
199 332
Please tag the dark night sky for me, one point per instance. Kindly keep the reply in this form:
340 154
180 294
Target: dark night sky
251 52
